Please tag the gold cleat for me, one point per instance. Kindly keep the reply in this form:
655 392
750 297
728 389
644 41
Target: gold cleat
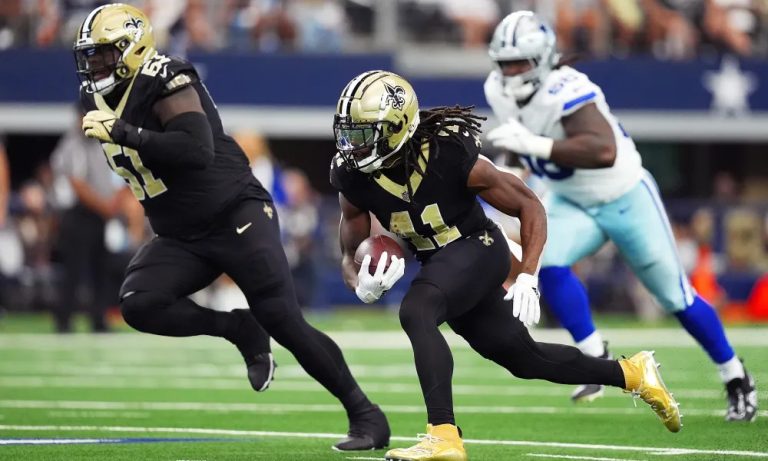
642 379
440 443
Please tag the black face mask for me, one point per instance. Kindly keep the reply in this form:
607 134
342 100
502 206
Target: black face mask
357 141
96 63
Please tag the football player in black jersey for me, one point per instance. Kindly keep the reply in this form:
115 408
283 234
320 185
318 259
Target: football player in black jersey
161 132
419 173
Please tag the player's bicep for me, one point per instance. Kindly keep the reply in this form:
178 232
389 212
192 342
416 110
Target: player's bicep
177 103
587 120
499 187
355 225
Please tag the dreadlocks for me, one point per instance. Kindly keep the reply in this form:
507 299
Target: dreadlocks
441 121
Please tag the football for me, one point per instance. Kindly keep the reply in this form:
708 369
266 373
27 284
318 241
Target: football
375 245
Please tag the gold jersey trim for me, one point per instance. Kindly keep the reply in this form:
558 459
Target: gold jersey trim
401 191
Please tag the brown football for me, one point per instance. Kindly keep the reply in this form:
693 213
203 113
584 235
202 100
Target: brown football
375 245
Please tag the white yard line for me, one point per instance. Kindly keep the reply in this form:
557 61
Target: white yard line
326 408
589 458
319 435
308 385
618 337
54 441
143 366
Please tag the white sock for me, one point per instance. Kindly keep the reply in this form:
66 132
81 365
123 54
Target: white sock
592 345
731 369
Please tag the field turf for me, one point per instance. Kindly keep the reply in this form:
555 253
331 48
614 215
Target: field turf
130 396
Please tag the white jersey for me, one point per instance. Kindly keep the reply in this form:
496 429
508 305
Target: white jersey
563 92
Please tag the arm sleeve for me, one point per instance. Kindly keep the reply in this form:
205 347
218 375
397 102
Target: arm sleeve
186 142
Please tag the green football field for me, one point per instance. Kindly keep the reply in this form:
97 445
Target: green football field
129 396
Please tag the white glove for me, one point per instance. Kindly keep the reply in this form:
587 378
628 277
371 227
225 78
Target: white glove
514 136
371 287
525 299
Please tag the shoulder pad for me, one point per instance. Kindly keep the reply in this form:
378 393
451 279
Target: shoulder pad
170 74
503 107
338 172
568 90
459 157
178 81
470 140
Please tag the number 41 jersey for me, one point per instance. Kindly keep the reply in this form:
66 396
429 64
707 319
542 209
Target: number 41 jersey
563 92
178 202
442 208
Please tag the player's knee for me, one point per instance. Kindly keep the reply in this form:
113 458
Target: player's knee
276 312
490 349
424 306
672 306
137 306
673 301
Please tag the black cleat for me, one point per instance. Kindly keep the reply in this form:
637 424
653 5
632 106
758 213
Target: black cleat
261 370
587 393
590 392
253 344
742 399
367 431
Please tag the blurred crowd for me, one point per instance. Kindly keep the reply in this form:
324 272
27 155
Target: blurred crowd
68 232
667 29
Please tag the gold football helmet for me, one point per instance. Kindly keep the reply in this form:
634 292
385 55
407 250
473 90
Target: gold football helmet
111 45
375 116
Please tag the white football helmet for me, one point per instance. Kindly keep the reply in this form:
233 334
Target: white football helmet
523 36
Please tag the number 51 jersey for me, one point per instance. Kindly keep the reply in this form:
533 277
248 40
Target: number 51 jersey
443 209
179 202
563 92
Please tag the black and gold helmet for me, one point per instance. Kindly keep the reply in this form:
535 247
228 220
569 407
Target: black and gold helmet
375 116
111 45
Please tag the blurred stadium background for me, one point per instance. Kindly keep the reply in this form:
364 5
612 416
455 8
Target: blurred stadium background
687 78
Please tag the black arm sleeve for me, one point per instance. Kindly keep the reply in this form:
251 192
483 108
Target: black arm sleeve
186 142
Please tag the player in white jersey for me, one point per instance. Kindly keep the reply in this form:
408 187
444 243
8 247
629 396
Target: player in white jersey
559 124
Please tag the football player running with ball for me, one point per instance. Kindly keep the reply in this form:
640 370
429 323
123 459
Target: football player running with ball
419 173
161 132
559 124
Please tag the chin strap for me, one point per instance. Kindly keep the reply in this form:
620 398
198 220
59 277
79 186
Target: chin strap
379 162
105 85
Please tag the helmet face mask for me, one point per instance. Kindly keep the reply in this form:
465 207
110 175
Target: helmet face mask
376 114
522 36
523 84
111 45
96 67
363 146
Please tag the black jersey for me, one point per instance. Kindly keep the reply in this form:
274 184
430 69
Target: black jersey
178 202
443 209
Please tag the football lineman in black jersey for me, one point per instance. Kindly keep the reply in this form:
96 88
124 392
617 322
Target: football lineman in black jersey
161 132
419 173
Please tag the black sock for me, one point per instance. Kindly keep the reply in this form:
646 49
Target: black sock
356 403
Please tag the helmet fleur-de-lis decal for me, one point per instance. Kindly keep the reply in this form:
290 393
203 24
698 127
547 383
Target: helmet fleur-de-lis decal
395 96
134 23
